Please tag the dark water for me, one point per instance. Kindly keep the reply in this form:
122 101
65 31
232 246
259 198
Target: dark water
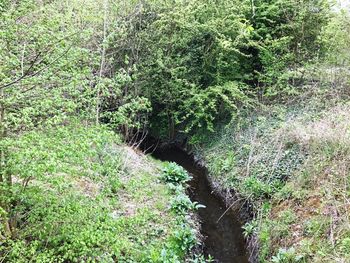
224 239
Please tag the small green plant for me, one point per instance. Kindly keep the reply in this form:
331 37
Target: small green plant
256 188
175 174
345 245
185 238
181 241
181 204
250 228
286 256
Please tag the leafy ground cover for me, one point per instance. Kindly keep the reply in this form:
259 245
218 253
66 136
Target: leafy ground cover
80 195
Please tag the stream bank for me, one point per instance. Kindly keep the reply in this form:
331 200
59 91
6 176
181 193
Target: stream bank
220 227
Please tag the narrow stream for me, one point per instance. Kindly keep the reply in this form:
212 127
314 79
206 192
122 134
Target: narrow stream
223 239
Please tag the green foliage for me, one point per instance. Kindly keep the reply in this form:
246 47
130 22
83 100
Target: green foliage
48 68
177 177
287 33
286 256
72 193
248 161
249 228
68 227
202 109
131 114
193 64
289 165
182 204
182 241
203 60
175 174
335 39
345 245
316 227
164 67
256 187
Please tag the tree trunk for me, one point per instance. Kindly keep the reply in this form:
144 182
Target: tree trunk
3 180
103 59
2 135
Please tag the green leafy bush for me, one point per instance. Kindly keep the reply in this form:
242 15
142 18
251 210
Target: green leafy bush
256 187
182 204
175 174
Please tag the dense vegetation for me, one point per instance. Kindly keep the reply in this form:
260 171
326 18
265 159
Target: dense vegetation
250 83
80 195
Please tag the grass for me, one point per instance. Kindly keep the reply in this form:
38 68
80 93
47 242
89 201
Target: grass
80 195
293 166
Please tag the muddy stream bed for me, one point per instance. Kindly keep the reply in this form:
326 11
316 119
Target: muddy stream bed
223 239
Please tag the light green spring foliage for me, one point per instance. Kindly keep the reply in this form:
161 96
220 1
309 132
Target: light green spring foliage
53 53
185 52
336 41
288 33
80 196
199 62
163 66
48 69
171 66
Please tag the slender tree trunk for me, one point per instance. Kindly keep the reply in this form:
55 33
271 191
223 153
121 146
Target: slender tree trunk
3 180
103 60
253 8
2 135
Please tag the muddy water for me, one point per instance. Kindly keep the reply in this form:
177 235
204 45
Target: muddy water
223 239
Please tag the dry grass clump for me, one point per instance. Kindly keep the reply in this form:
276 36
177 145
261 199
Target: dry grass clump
333 128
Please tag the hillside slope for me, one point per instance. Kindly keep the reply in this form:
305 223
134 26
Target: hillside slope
80 195
290 164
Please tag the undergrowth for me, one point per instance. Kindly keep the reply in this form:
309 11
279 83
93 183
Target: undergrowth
290 163
79 195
